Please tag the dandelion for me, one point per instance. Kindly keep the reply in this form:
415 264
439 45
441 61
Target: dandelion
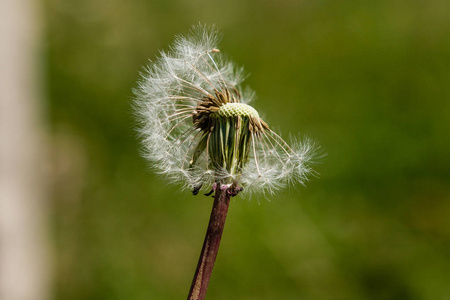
198 129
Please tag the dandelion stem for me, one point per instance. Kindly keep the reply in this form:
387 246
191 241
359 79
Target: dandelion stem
210 245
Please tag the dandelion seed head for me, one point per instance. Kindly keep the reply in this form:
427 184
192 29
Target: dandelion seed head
198 128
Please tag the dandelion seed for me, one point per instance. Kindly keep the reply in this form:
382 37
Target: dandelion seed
199 129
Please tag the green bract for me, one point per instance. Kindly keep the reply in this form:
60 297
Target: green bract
227 133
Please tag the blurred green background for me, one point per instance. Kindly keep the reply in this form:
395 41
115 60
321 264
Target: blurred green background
369 81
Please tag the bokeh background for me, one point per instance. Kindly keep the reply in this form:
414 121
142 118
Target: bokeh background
369 81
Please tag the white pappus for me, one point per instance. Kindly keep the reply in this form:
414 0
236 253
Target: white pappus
198 129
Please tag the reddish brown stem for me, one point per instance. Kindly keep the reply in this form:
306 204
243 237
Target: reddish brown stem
210 245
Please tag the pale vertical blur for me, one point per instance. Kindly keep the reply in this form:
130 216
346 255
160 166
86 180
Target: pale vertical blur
24 262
